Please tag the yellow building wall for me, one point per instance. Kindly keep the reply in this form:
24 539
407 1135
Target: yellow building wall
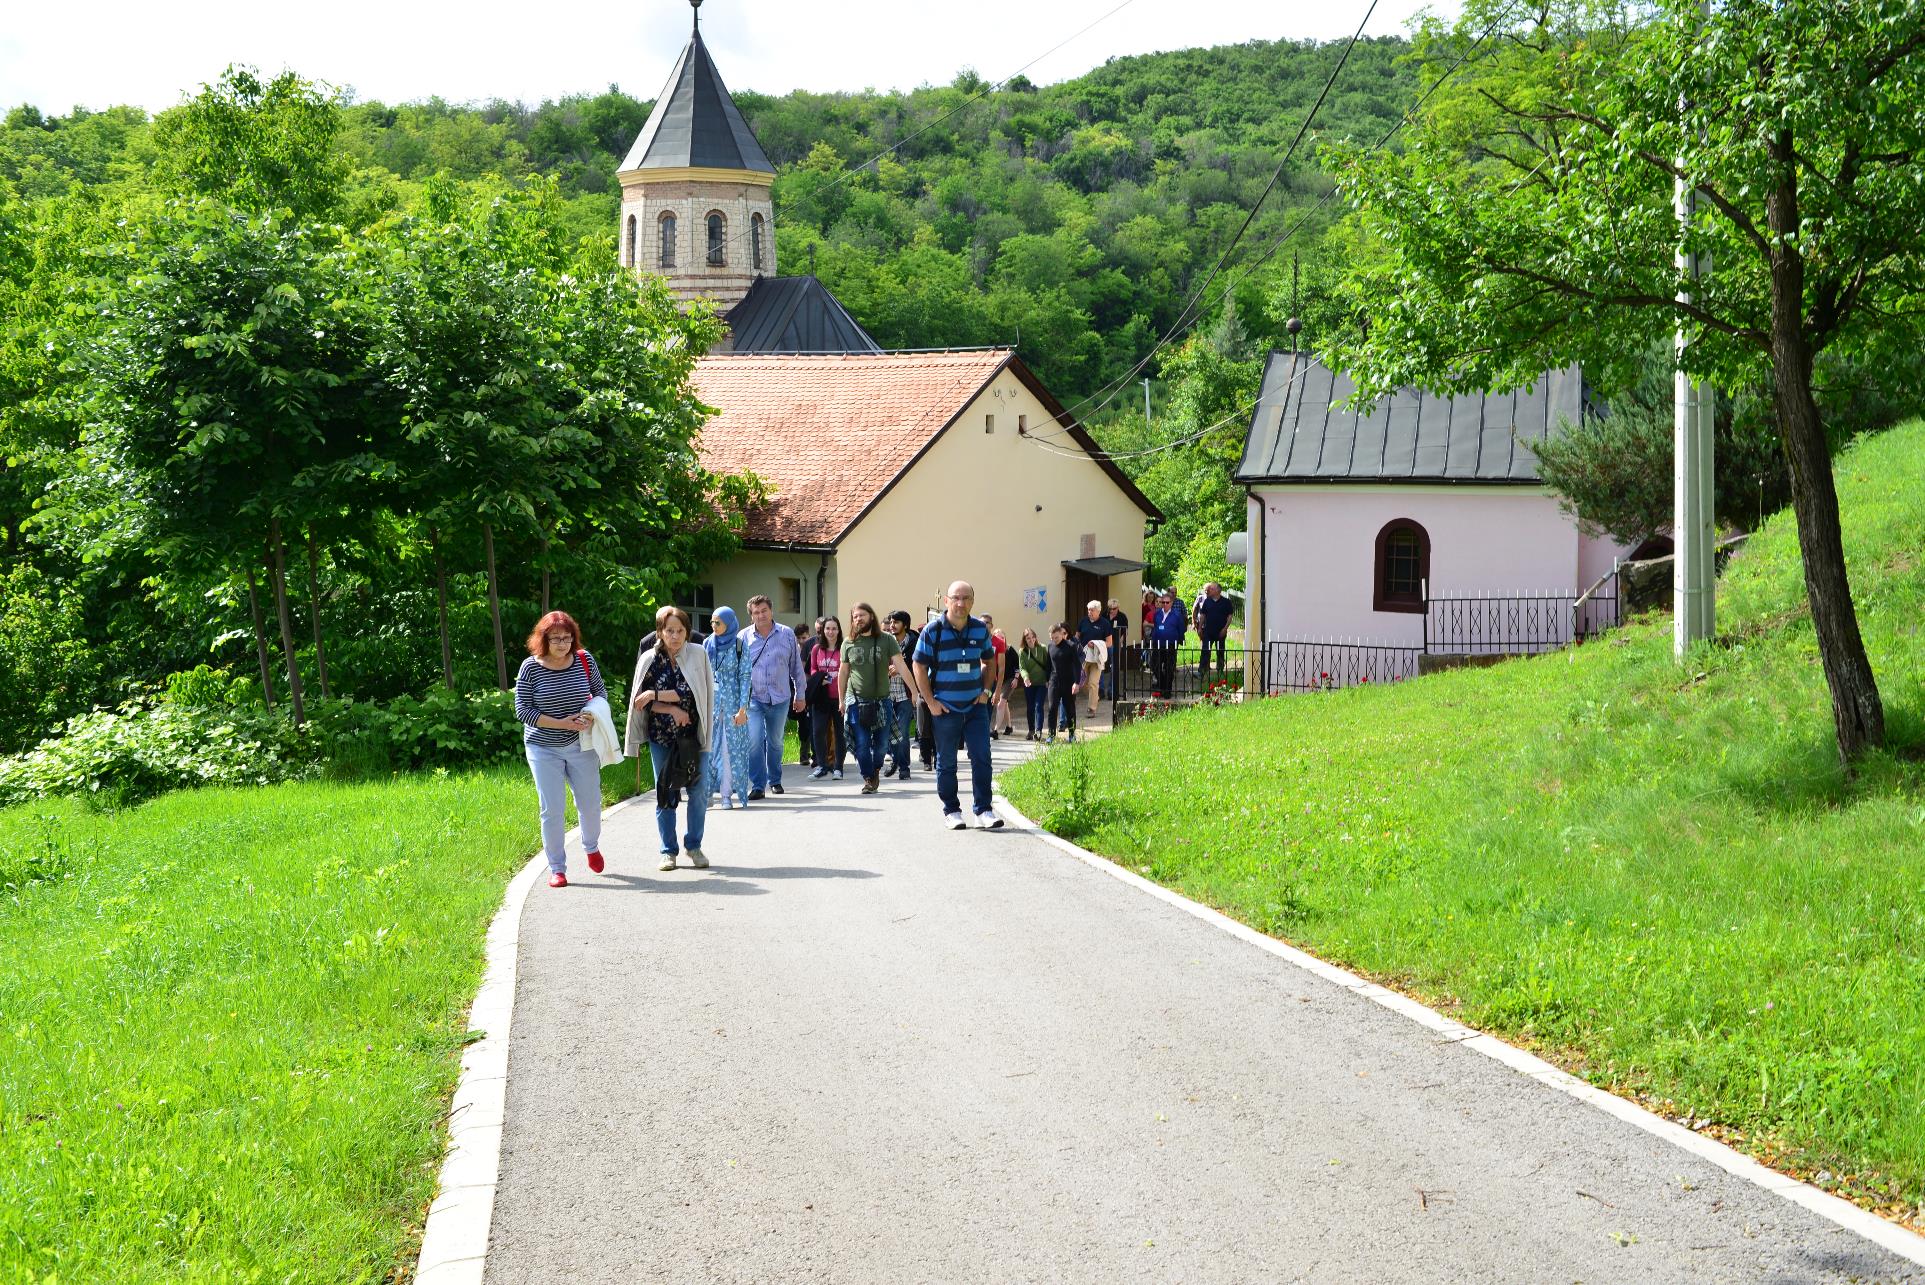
754 571
996 509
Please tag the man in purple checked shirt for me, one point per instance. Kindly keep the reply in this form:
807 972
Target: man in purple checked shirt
776 688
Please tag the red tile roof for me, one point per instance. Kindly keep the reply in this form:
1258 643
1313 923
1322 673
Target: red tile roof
830 432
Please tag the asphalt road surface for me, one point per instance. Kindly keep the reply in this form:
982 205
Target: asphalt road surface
863 1048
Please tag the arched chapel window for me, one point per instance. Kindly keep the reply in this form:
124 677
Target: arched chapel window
630 258
718 239
667 223
755 241
1402 567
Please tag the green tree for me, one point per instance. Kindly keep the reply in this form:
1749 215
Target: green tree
257 144
1529 224
229 390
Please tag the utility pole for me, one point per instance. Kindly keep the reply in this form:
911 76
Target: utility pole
1694 405
1146 404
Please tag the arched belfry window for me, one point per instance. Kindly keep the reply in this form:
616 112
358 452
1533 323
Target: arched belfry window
718 239
667 224
1402 567
755 240
630 259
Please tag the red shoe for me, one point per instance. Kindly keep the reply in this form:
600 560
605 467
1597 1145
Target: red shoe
558 880
595 862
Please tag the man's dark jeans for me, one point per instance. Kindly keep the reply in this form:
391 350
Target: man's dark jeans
904 719
1203 663
868 742
968 728
1163 668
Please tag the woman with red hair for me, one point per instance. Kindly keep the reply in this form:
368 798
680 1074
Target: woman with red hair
552 693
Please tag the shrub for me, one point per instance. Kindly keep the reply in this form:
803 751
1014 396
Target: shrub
440 729
48 668
118 757
192 736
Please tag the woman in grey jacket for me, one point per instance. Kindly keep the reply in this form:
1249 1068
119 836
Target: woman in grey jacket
674 689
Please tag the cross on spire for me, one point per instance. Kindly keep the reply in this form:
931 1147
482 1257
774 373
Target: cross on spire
697 6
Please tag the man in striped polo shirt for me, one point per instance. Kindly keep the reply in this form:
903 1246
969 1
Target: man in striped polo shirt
955 667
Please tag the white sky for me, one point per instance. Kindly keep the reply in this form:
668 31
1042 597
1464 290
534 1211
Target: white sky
57 55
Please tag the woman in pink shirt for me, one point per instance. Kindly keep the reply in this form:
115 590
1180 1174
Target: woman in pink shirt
825 673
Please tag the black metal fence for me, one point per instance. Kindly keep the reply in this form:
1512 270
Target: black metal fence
1517 625
1154 671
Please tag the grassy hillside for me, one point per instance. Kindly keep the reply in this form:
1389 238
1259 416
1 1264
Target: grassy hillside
1657 875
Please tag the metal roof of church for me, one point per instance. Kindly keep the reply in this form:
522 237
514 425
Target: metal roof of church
794 314
695 122
1298 433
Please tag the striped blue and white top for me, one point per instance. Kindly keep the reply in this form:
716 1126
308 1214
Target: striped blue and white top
955 659
558 693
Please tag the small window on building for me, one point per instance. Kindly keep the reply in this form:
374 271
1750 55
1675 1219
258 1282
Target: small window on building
791 595
1402 567
718 240
755 240
700 600
630 259
1022 425
989 423
667 259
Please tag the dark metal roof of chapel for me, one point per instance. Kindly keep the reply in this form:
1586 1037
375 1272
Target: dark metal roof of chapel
696 123
794 314
1299 433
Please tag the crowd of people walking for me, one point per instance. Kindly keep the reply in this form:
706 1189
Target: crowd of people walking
712 710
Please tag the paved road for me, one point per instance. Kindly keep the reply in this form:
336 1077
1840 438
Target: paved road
862 1048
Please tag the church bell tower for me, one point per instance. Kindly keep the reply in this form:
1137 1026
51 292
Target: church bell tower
696 203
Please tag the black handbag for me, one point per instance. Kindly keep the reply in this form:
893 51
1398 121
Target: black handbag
869 715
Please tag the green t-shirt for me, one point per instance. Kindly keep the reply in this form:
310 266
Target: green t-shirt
865 667
1035 662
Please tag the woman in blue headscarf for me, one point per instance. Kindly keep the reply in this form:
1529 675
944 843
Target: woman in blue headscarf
729 662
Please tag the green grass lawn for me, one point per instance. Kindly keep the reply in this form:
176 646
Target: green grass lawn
230 1021
1657 876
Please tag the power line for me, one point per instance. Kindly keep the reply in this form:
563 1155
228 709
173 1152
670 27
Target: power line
1292 230
1187 314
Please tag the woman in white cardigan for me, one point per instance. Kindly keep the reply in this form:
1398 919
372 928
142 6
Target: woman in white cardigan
673 703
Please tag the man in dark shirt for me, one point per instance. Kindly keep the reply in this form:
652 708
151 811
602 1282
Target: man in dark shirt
1213 612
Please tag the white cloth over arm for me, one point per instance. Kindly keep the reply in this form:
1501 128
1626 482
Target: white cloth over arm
600 739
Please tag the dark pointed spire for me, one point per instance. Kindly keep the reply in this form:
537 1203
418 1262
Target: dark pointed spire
695 122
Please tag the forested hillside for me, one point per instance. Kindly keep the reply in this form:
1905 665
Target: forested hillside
1073 222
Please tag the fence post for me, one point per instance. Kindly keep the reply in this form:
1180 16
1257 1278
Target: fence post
1425 584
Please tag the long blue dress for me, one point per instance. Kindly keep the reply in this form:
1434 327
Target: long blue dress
729 761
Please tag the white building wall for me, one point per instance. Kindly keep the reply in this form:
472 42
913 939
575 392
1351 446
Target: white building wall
1321 543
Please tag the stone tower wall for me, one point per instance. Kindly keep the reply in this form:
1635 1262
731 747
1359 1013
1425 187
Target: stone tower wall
691 200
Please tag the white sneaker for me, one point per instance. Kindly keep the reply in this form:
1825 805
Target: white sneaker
954 820
988 821
696 859
668 862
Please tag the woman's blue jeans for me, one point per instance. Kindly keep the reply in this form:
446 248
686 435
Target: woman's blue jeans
557 768
695 799
1037 695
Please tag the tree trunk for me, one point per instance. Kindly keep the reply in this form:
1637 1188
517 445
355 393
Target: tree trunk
287 620
260 640
441 602
1858 715
494 606
314 609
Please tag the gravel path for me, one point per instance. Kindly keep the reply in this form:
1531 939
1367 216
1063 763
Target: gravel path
863 1048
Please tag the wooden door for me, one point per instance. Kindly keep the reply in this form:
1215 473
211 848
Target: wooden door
1079 587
